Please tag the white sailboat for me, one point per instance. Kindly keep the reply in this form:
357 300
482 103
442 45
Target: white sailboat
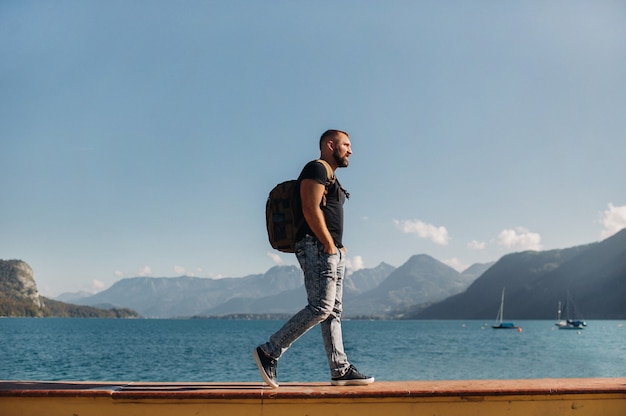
500 324
569 322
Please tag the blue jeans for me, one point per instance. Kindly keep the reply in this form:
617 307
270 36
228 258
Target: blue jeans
323 280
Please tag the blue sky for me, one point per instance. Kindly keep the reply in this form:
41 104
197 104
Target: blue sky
142 137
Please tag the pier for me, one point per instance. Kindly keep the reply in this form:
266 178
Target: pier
580 397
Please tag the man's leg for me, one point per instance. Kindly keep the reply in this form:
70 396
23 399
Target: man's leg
331 328
320 280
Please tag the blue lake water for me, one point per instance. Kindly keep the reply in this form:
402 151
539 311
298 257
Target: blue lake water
220 350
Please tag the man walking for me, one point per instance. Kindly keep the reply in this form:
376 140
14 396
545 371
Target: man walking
320 252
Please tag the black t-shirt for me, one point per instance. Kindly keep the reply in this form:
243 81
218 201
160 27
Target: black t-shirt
335 198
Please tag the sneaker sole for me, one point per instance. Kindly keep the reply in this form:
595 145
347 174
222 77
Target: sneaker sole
273 384
357 382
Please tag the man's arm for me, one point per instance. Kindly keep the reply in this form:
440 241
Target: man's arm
311 194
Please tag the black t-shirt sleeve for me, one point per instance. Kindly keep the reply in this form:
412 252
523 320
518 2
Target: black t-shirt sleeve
314 170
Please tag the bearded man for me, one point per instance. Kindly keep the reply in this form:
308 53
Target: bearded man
322 257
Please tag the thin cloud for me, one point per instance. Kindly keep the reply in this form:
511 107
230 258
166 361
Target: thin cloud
179 270
215 276
438 235
199 272
519 239
97 285
476 245
353 264
145 271
276 259
613 220
455 264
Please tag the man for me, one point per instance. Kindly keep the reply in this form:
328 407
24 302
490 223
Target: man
321 255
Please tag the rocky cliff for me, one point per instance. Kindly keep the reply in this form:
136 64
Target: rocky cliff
19 297
18 290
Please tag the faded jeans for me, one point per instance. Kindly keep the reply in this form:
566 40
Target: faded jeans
323 280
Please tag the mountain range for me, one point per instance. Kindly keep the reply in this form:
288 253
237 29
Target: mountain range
422 288
594 275
278 291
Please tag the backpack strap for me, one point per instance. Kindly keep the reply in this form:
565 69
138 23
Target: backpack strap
330 178
330 175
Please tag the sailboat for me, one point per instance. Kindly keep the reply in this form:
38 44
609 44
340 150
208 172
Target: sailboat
569 322
500 318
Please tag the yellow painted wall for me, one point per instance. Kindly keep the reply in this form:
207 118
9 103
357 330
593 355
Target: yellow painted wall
514 405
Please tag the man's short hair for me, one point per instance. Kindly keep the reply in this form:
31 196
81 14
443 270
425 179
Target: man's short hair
330 135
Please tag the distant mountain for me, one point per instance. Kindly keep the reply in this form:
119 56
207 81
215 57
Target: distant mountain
291 301
422 288
422 280
383 291
167 297
365 280
594 275
19 297
279 291
282 303
476 270
72 296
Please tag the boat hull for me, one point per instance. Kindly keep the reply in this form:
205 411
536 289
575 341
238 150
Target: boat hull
505 325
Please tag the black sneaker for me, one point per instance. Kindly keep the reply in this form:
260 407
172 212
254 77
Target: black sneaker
267 366
352 378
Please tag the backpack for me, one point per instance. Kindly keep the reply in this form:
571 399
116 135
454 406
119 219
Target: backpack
283 212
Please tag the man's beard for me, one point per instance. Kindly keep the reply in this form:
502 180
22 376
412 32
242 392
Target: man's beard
342 162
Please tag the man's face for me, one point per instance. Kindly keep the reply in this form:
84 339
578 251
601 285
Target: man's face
342 150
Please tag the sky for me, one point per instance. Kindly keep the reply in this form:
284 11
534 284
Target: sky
141 138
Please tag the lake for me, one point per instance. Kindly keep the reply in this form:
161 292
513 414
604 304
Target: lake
220 350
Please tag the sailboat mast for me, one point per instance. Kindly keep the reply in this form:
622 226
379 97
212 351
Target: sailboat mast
500 317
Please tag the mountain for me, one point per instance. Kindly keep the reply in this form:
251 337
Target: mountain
72 296
421 280
594 275
365 280
19 297
476 270
291 301
383 291
167 297
422 288
279 291
18 290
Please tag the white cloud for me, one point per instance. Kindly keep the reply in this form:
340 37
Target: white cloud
476 245
199 272
179 270
117 273
275 257
455 264
438 235
519 239
215 276
145 271
613 220
96 285
353 264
